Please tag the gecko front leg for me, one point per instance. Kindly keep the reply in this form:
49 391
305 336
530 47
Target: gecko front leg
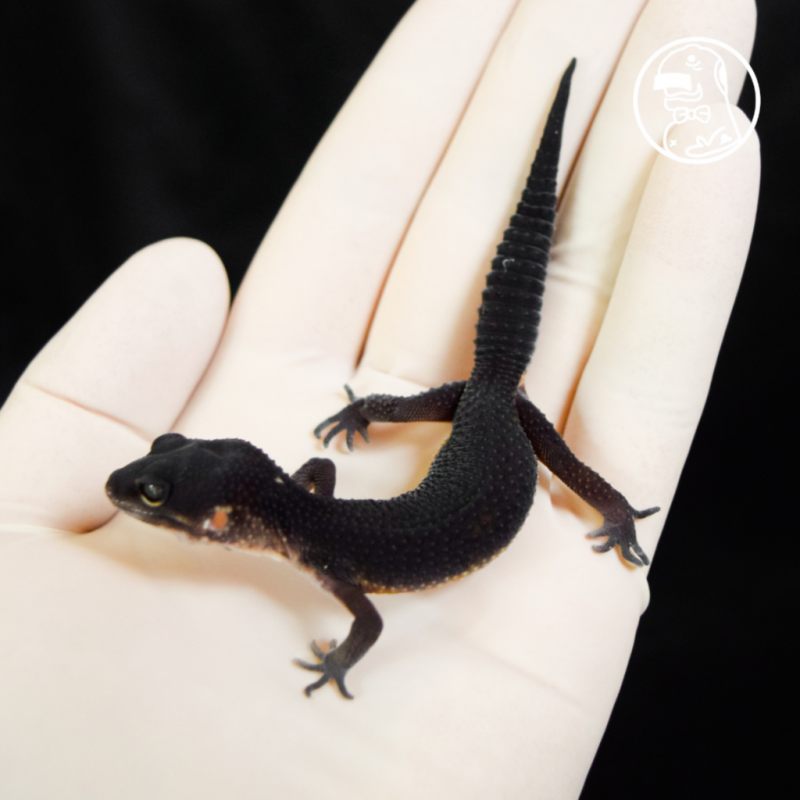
317 475
364 632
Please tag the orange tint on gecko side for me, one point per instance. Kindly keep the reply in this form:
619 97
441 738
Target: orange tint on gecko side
219 520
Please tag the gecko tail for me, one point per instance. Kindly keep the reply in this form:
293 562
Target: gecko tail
508 319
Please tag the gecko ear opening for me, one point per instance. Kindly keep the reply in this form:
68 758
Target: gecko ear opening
167 442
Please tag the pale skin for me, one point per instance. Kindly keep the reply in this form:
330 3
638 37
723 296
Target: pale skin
135 665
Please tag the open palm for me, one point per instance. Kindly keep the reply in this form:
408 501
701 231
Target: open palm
144 667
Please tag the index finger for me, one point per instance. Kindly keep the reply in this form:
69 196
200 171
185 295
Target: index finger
316 277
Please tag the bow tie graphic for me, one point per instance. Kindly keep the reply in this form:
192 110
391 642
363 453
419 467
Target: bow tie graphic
683 114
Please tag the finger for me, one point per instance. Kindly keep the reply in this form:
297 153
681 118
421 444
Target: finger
644 387
115 376
314 282
424 326
600 204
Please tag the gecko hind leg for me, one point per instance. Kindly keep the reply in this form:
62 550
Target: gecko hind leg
623 533
350 420
433 405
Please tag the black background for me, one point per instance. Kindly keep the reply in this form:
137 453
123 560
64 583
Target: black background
123 122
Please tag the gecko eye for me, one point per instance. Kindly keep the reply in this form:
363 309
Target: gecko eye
153 493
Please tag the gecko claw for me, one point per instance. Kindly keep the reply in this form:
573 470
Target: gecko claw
622 532
350 420
328 667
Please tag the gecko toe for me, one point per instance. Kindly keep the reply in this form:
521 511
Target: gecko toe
342 688
307 665
621 532
316 685
642 555
646 513
329 668
350 420
631 557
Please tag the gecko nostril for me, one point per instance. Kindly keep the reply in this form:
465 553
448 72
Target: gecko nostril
111 484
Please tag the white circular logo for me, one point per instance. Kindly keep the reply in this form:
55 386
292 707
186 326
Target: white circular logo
687 81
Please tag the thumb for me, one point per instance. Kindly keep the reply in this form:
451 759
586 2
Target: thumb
115 376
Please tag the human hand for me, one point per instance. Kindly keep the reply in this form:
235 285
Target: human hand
136 663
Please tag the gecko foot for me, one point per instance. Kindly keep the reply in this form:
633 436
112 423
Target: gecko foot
349 419
328 667
622 532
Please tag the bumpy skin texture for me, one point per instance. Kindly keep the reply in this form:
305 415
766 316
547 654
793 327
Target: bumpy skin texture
439 405
465 512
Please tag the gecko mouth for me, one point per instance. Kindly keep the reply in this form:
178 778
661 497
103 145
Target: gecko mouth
152 516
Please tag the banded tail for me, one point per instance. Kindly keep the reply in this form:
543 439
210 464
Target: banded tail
508 319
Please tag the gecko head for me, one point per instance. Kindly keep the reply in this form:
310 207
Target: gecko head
200 487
